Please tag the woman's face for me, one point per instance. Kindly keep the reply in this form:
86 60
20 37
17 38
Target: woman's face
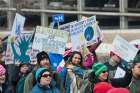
103 76
76 59
46 78
2 78
24 69
136 70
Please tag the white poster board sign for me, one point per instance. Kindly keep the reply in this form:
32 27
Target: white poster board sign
120 73
18 25
66 27
50 40
83 33
123 49
104 48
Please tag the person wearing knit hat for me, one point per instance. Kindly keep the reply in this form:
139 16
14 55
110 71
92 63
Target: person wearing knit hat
39 73
113 63
2 74
4 85
43 59
118 90
102 87
45 83
134 85
100 71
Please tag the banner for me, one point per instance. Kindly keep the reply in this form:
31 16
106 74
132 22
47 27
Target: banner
18 25
50 40
123 49
83 33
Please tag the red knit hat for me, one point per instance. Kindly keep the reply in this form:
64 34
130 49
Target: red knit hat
118 90
102 87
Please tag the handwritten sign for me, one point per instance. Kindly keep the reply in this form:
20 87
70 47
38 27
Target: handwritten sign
120 73
123 49
83 33
50 40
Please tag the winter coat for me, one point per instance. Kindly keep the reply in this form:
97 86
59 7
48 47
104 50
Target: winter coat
20 85
112 69
29 81
44 89
74 81
134 86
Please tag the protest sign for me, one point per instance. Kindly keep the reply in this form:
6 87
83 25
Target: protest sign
18 25
120 73
104 48
83 33
19 49
50 40
123 49
66 27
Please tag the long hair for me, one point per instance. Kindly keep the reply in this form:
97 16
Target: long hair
72 55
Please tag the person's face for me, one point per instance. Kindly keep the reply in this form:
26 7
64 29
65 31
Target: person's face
45 63
76 59
2 78
24 69
103 76
46 78
116 58
136 70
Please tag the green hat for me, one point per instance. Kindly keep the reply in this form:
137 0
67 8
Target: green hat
98 68
137 59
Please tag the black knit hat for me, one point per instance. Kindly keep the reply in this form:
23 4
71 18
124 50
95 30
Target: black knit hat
42 55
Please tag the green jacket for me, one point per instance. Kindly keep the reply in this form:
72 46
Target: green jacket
134 86
20 85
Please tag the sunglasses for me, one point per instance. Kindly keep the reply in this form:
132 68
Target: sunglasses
104 71
46 75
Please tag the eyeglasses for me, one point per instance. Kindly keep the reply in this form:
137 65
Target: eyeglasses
46 75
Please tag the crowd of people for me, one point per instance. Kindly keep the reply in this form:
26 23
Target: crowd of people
75 74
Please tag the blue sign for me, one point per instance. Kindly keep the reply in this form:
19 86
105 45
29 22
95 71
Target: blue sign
58 18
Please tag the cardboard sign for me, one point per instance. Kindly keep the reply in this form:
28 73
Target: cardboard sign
83 33
123 49
50 40
18 25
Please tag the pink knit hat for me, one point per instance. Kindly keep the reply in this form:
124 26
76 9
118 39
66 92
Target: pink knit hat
2 70
118 90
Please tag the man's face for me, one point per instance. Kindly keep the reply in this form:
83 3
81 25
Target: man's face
45 63
116 58
136 70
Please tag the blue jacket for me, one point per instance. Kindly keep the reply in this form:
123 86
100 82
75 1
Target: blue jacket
44 89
